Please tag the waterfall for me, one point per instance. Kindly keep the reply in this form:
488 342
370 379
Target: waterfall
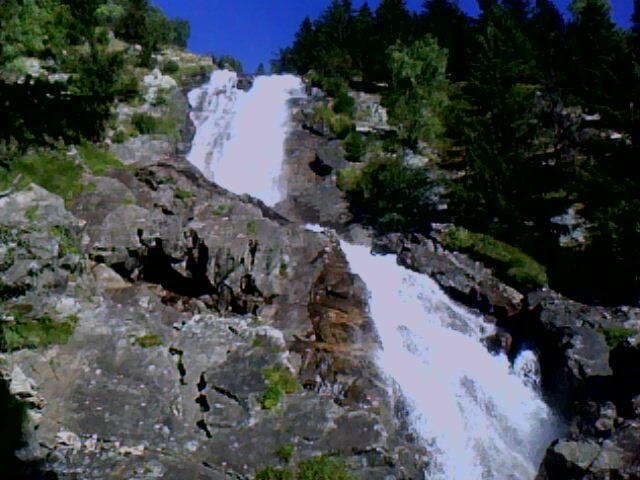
482 417
239 141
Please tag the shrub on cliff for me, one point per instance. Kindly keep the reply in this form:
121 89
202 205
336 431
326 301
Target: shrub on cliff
389 195
511 264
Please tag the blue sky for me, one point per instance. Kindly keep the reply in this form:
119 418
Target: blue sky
252 30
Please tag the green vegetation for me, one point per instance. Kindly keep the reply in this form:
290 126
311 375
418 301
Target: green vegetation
144 123
230 63
149 341
183 194
32 213
38 332
388 195
53 170
252 228
221 210
285 452
316 468
617 335
68 240
354 147
274 473
520 103
99 161
418 95
511 264
171 67
323 468
339 124
280 381
68 39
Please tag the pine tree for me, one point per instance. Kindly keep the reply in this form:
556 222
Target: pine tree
361 43
261 70
333 30
497 127
597 65
418 92
392 23
548 36
451 27
518 9
303 54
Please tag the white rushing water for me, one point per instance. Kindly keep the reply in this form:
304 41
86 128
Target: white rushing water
482 417
239 141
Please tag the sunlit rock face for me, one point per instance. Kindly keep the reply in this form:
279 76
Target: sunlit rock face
240 136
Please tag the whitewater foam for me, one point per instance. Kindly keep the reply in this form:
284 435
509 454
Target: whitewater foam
240 136
485 419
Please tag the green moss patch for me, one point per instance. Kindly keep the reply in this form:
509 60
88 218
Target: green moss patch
280 381
183 194
68 240
617 335
37 332
53 170
273 473
339 124
316 468
149 341
285 452
323 468
511 264
99 161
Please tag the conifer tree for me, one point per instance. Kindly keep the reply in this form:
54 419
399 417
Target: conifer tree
548 37
596 62
392 23
333 30
451 27
418 91
361 44
303 54
497 126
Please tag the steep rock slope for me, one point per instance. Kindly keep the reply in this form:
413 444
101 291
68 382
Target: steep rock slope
161 327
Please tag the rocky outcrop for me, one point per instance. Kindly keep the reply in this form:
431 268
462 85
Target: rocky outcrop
168 303
310 171
462 278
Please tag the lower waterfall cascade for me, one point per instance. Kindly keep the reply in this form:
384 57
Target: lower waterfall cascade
481 416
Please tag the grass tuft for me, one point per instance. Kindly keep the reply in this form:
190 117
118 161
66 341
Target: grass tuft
511 264
280 381
99 161
36 332
150 340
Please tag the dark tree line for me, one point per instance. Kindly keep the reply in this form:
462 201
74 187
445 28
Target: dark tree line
543 116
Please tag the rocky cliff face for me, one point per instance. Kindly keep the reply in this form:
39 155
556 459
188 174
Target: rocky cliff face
161 327
589 356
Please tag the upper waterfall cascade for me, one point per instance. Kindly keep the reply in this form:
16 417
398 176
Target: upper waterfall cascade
239 141
482 417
